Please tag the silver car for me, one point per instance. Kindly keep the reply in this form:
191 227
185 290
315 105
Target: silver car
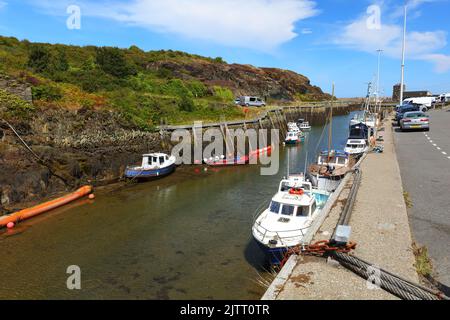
415 120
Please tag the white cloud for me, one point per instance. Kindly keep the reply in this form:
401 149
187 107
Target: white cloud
257 24
419 46
442 61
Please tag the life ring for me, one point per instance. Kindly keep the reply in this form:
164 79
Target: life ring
296 191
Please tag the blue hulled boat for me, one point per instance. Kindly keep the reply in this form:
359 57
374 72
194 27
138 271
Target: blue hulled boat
154 165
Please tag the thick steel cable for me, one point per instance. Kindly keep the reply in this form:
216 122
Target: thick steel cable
361 262
394 284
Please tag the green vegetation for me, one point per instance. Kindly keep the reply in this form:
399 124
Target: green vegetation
408 201
423 263
129 81
11 106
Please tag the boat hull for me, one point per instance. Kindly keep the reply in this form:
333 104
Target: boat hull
149 174
274 256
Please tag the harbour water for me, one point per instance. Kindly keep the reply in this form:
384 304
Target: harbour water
187 236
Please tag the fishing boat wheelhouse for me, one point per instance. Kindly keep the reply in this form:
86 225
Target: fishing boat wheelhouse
330 168
154 165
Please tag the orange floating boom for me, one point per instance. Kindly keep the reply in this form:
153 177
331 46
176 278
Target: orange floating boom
44 207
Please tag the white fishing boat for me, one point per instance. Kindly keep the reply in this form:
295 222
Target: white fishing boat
287 219
154 165
292 138
357 143
356 147
305 126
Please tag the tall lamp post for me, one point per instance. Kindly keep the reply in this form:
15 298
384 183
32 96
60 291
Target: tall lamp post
378 78
402 83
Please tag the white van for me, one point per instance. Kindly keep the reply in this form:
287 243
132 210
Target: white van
251 101
426 101
445 97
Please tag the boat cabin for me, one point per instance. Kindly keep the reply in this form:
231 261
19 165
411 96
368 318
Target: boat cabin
154 160
333 159
359 131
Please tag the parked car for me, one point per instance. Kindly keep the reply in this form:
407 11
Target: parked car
237 101
403 109
415 120
249 101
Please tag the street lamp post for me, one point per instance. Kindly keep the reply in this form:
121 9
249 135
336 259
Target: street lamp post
403 57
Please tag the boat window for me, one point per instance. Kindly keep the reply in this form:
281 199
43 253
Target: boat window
287 210
341 161
167 158
275 207
161 160
302 211
154 160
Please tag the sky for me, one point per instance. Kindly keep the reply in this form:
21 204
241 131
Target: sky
327 41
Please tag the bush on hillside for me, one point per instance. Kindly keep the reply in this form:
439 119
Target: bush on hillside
12 106
113 62
47 92
223 94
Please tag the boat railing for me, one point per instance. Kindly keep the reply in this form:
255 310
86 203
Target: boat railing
269 234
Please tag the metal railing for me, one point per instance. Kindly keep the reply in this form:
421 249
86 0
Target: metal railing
265 231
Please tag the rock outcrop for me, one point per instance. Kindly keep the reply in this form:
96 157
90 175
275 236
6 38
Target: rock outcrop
245 79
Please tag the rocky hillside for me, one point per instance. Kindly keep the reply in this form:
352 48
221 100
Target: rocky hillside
270 83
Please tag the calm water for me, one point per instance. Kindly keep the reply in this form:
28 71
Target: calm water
187 236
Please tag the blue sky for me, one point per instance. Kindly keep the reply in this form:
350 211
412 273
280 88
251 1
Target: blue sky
327 41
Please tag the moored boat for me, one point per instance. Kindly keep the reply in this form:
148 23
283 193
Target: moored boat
222 161
291 212
294 137
330 169
154 165
357 143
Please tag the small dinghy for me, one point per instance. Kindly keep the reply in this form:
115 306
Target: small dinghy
154 165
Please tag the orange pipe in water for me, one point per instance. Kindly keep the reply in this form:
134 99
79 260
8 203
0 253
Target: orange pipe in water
44 207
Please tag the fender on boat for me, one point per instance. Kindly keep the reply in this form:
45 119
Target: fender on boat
44 207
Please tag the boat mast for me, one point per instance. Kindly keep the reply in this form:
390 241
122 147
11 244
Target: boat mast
330 129
402 82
